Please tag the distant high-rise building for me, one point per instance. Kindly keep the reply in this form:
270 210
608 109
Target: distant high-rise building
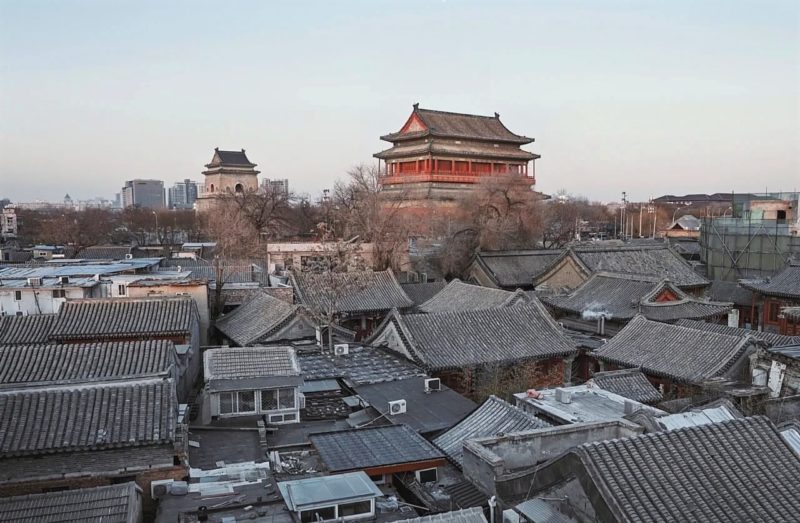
276 186
182 195
143 193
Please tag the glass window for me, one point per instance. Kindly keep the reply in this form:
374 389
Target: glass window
121 290
226 403
59 293
286 398
247 401
289 417
269 399
355 509
18 295
310 516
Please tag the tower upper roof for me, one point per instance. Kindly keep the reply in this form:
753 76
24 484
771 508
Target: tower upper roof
230 159
428 122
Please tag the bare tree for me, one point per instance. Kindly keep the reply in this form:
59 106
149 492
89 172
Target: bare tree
361 209
337 271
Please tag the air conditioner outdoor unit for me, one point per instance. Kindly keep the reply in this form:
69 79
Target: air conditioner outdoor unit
34 281
433 385
129 256
64 280
397 407
160 488
341 349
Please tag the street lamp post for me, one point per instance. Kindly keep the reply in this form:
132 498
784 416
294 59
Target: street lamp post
157 235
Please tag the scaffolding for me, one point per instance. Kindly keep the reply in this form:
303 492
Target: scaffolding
737 248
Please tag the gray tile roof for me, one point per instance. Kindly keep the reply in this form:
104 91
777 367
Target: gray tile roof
231 158
738 470
659 261
467 515
630 383
250 362
23 366
426 412
516 269
730 291
107 504
362 365
620 297
350 292
365 448
256 319
87 417
770 338
785 284
616 295
495 416
419 293
680 353
92 319
460 296
26 330
460 125
469 338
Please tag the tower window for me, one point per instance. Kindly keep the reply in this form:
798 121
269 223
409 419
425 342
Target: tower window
212 187
239 188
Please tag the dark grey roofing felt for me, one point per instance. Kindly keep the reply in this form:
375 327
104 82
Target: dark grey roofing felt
680 353
460 296
124 318
494 417
85 417
426 412
350 292
460 125
660 262
730 291
110 252
250 362
22 366
256 319
365 448
770 338
467 515
785 284
468 338
422 292
26 330
512 269
630 383
107 504
737 470
363 365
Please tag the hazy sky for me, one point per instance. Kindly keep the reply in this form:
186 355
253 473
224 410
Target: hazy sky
643 96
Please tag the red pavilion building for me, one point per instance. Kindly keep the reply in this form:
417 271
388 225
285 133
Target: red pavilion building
439 156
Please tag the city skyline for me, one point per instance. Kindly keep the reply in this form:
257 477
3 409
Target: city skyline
682 97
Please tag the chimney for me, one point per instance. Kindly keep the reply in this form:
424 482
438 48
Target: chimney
563 396
631 407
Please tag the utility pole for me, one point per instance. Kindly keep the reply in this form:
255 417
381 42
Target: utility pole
640 220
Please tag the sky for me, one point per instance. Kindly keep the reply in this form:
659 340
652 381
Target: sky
647 97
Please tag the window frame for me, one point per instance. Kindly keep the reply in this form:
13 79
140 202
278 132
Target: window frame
17 295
